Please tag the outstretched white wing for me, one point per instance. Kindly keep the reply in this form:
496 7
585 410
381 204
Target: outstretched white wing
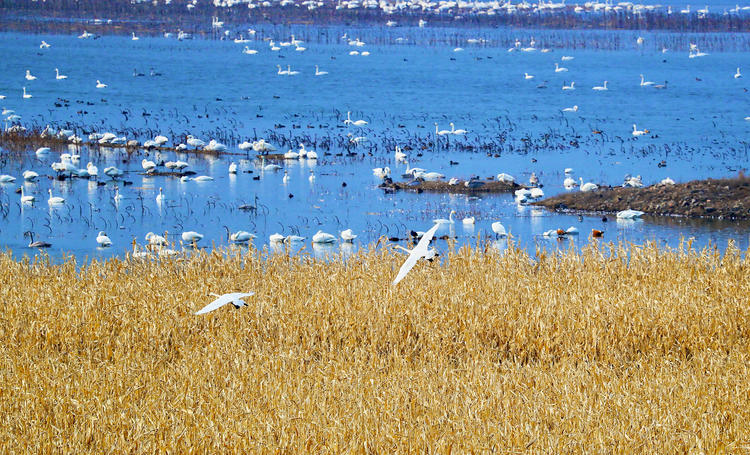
418 252
223 300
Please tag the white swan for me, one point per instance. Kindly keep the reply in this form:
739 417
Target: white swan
381 172
55 200
637 132
276 238
560 69
249 51
457 131
737 75
349 121
585 187
100 84
569 182
399 155
600 88
103 240
422 250
26 95
134 38
280 71
191 237
29 76
160 196
59 76
528 76
26 199
318 72
444 221
233 168
30 176
499 229
441 132
285 179
566 58
571 109
572 86
629 214
645 83
235 298
348 236
323 237
148 165
468 221
289 71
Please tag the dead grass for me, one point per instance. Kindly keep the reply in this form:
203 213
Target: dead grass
590 352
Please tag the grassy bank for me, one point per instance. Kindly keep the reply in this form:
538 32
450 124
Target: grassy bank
646 352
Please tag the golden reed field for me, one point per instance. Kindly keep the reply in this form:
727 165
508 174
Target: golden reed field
608 350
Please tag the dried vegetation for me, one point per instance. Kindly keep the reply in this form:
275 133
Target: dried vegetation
607 350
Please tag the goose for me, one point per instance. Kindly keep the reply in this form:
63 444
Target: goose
585 187
571 109
103 240
636 132
600 88
320 73
457 131
441 132
38 243
191 237
560 69
499 229
528 76
444 221
381 172
399 155
100 84
29 76
59 76
629 214
26 199
160 196
26 95
572 86
233 168
737 75
348 236
235 298
54 200
249 51
323 237
645 83
148 165
422 250
30 176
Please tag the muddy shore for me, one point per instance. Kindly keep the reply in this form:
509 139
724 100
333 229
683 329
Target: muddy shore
488 186
722 199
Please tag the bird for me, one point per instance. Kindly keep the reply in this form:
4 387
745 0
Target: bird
499 229
134 38
311 178
235 298
54 200
203 178
348 236
565 58
99 84
239 236
26 95
249 51
468 221
155 240
285 179
381 172
569 182
233 168
600 88
148 165
422 250
59 76
737 75
289 71
38 243
103 240
533 179
160 196
399 155
596 233
320 73
44 45
587 186
571 109
440 221
113 172
323 237
457 131
26 199
560 69
629 214
276 238
572 86
528 76
441 132
5 178
645 83
29 76
30 176
637 132
191 237
349 121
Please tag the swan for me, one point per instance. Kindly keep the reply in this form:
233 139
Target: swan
30 176
645 83
566 58
293 239
422 250
99 84
161 140
312 155
215 146
233 168
160 196
26 199
289 71
429 176
44 45
381 172
54 200
29 76
113 172
318 72
191 237
572 86
26 95
42 151
300 49
148 165
156 240
441 132
667 181
571 109
249 51
737 75
312 176
601 88
412 171
285 179
239 236
276 238
203 178
5 178
399 155
235 298
560 69
528 76
569 182
349 121
457 131
134 38
469 220
444 221
348 236
629 214
637 132
568 170
280 71
59 76
291 155
505 178
195 142
585 187
499 229
323 237
118 196
103 240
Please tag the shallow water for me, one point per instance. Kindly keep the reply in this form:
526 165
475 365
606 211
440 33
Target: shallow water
209 88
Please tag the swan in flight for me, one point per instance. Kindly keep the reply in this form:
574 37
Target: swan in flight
560 69
600 88
572 86
528 76
571 109
637 132
235 298
318 72
103 240
422 250
499 229
645 83
440 221
585 187
59 76
738 75
457 131
99 84
29 77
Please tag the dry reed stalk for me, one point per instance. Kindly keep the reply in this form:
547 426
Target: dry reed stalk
607 350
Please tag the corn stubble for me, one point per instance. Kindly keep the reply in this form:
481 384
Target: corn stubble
597 351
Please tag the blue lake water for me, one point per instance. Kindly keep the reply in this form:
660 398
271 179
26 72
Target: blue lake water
209 88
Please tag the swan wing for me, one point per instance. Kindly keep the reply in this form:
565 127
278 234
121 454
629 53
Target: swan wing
419 251
223 300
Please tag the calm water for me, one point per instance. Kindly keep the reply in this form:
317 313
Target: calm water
208 88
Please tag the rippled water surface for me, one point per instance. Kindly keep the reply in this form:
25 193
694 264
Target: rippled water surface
211 89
